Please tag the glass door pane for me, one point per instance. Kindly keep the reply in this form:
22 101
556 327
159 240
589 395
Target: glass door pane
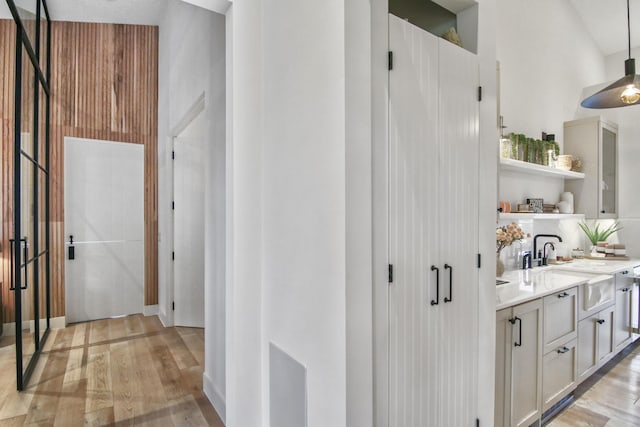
609 160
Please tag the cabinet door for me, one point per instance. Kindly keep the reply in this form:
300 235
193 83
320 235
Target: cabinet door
622 317
606 345
587 347
526 373
458 201
559 373
608 172
560 318
504 344
415 330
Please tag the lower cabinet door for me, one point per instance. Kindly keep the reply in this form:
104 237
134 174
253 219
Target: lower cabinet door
622 327
587 347
525 373
559 373
606 346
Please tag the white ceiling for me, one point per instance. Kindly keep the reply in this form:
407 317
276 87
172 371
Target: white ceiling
606 21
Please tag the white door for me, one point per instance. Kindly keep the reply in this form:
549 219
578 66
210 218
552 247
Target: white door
414 332
458 199
433 230
104 212
188 217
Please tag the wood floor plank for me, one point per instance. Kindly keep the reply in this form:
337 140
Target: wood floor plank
99 387
100 417
126 371
71 406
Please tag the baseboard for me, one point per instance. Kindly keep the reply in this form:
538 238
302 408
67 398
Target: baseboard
9 329
215 397
164 320
58 322
150 310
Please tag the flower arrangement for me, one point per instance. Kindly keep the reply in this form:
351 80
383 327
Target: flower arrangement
596 235
507 234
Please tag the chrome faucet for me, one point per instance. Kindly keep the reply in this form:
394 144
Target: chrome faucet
540 258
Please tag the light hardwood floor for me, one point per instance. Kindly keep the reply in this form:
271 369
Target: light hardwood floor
610 397
126 371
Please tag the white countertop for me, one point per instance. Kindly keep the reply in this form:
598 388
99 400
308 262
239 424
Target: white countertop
537 282
597 266
527 285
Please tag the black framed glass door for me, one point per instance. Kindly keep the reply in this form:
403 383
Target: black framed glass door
30 261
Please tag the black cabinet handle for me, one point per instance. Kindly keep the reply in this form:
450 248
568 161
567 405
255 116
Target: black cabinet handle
624 289
602 211
513 322
600 321
625 272
562 350
448 267
563 295
437 270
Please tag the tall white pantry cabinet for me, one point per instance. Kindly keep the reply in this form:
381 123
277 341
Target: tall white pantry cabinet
433 230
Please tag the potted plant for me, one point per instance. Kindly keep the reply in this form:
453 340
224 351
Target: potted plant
596 234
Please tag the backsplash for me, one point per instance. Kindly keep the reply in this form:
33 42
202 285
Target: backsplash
572 237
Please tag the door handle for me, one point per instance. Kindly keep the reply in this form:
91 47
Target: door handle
437 270
26 258
72 249
448 267
513 322
600 321
25 254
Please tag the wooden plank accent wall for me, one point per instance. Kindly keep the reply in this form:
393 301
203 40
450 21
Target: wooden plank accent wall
104 85
7 79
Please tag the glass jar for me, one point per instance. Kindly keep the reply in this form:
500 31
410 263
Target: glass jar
505 148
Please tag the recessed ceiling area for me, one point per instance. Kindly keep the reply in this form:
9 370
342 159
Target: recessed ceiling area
606 21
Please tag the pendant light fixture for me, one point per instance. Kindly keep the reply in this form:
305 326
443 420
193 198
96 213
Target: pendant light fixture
624 92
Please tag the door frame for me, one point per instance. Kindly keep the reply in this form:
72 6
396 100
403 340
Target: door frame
198 107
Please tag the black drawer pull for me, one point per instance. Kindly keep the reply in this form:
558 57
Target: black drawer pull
448 267
562 350
600 321
563 295
624 289
625 272
513 322
437 270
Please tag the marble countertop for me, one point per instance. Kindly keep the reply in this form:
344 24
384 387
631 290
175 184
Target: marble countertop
526 285
597 266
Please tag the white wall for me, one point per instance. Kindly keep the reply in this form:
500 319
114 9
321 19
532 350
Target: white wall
546 58
628 153
192 62
543 71
295 269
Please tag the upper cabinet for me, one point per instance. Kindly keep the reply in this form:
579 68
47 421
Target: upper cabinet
595 141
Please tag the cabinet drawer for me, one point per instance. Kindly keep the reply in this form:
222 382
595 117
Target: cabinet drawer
593 297
560 318
558 373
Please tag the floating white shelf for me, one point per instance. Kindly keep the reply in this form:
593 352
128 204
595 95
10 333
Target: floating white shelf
535 169
516 216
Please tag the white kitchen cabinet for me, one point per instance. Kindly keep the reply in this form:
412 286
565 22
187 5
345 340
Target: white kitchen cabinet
595 342
622 333
519 365
559 371
560 318
595 142
433 230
